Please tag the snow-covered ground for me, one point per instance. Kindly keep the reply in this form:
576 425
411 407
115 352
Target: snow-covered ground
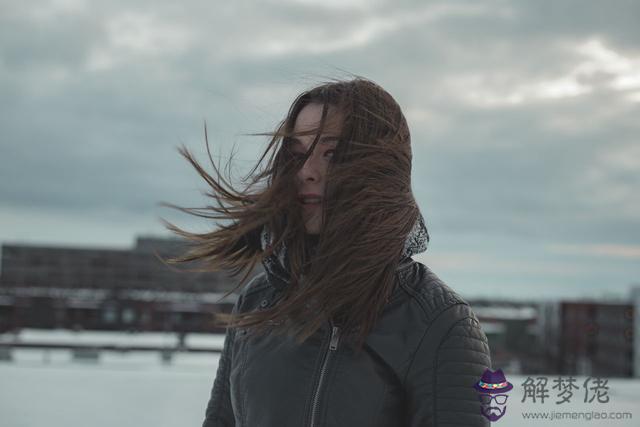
119 339
138 389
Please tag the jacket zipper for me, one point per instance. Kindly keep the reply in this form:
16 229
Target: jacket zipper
333 345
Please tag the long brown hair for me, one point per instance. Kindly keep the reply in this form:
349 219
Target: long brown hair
369 210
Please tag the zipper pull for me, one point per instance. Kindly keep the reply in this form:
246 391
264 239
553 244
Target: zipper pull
335 335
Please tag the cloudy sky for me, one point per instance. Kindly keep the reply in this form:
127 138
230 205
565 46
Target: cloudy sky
525 120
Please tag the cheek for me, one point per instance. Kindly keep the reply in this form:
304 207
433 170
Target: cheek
299 175
324 167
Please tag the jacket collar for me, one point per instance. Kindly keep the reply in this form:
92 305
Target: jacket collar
277 264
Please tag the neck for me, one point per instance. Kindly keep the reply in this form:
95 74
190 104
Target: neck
311 244
312 237
311 240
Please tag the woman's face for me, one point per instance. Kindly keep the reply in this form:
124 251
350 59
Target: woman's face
311 178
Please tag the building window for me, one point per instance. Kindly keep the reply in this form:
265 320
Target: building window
109 315
128 315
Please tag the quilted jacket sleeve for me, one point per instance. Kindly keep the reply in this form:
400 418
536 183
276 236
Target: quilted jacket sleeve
451 357
219 412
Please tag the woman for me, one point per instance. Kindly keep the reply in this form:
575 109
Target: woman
343 327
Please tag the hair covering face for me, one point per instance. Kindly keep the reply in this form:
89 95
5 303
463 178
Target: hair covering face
276 265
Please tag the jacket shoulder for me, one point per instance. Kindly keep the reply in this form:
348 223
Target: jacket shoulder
450 355
430 292
258 292
257 283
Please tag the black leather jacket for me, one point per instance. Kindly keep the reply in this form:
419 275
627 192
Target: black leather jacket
418 368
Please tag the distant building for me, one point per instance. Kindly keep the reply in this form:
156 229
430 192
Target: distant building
510 327
550 335
108 289
83 268
563 337
589 338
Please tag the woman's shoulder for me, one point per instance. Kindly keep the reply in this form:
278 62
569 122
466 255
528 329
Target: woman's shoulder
444 314
424 310
428 291
257 283
257 292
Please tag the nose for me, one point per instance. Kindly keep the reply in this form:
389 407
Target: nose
311 170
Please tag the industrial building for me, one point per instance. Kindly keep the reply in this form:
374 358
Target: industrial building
135 290
109 289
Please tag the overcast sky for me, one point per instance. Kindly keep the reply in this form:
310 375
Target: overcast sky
525 121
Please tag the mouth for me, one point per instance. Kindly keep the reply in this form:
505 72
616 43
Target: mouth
310 200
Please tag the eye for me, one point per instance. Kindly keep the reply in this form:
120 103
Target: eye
332 152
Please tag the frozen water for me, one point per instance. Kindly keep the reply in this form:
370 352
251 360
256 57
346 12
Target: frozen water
137 389
120 389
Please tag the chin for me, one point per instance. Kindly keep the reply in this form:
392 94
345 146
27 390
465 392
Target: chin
312 227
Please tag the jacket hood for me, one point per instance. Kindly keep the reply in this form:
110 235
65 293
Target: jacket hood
277 264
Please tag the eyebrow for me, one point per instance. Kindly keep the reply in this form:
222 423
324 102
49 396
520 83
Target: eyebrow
324 139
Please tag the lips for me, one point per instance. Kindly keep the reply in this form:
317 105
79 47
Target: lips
310 199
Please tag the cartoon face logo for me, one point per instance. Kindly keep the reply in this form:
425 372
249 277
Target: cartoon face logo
492 389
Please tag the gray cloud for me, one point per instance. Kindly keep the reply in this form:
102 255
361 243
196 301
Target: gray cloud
523 119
